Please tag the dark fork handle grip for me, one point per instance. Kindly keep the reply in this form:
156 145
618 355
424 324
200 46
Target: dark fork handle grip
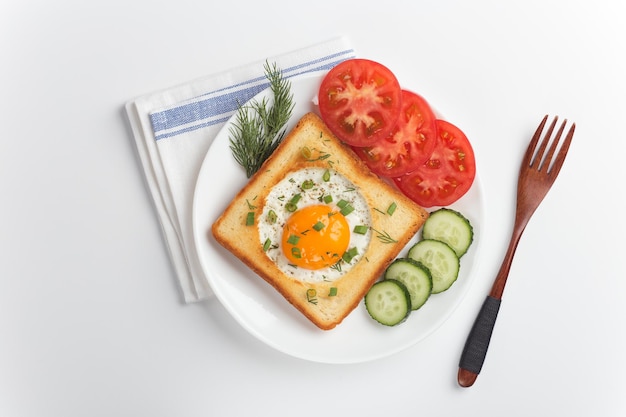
477 343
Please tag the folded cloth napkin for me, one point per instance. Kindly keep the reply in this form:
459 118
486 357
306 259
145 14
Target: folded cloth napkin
174 128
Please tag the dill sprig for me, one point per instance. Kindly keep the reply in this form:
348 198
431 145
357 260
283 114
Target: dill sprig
258 127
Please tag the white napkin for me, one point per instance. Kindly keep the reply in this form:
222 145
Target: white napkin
174 128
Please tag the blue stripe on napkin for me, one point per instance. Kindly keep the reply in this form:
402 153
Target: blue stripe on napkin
218 106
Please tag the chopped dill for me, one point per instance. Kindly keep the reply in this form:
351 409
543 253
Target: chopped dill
384 237
337 266
250 205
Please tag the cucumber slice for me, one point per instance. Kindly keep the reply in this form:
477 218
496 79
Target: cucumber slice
440 259
451 227
416 278
388 302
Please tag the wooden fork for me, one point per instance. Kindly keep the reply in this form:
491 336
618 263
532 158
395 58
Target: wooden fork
537 174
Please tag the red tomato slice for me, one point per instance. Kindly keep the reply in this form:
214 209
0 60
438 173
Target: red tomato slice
447 175
409 144
359 100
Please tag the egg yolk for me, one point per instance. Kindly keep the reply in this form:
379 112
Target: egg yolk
315 237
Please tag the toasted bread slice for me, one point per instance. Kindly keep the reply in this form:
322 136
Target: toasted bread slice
325 304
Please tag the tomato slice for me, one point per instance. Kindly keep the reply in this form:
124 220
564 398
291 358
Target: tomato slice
409 144
447 175
359 100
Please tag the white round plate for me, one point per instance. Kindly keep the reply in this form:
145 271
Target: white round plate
263 312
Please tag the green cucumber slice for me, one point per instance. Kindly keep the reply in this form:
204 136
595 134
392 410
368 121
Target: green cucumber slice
441 261
388 302
451 227
415 277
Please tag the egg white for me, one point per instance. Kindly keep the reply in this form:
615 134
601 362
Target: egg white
340 188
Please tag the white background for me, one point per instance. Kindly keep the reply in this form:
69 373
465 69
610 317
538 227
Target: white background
91 320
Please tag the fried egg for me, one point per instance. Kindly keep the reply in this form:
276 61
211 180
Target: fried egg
315 225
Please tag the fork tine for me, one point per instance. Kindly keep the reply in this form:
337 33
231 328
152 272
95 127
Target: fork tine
530 151
538 158
547 160
560 157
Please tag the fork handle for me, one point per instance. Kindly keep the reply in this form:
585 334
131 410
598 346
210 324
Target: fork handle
477 342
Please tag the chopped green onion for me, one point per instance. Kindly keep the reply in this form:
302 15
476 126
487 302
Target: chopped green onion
311 296
308 184
250 219
306 152
292 205
326 176
271 217
267 244
350 254
347 209
360 229
296 253
293 240
328 199
342 203
392 208
332 292
318 226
